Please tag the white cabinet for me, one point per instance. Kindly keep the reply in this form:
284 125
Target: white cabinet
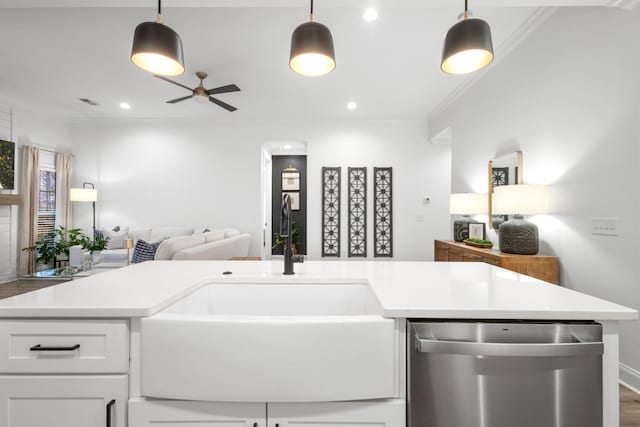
30 348
44 346
176 413
63 401
181 413
387 413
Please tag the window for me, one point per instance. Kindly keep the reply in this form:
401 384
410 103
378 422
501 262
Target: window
46 218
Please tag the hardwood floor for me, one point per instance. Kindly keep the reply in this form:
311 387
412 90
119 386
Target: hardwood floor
629 401
22 286
629 408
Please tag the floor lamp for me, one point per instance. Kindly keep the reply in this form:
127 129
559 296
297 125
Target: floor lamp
87 193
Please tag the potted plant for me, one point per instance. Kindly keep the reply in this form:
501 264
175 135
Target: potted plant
280 239
95 246
55 244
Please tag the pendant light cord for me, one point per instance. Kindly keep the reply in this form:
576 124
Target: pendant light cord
311 13
159 20
466 13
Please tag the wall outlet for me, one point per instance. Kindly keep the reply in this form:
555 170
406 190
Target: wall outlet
420 218
604 226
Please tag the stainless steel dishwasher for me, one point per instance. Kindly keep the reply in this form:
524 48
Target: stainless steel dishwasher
525 374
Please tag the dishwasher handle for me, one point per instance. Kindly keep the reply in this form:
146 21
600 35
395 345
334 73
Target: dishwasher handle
509 349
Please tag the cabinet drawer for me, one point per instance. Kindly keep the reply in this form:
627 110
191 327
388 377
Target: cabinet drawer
64 346
63 401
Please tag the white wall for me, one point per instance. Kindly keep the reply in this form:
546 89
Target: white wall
184 172
27 128
569 98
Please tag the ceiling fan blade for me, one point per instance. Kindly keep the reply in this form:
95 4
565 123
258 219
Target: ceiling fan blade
184 98
222 104
171 81
223 89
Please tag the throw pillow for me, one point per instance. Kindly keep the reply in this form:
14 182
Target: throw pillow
117 238
144 251
116 228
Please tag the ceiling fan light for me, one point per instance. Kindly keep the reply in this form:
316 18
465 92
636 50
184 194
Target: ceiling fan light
467 47
312 52
201 99
157 49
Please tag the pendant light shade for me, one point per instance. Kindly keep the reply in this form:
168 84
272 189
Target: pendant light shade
157 48
312 52
467 46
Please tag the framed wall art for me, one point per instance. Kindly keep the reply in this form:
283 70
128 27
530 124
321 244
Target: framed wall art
295 199
290 181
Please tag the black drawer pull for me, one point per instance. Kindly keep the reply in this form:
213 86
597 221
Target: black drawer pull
109 406
38 347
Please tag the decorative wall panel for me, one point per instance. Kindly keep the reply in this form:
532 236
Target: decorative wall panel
382 213
357 212
330 212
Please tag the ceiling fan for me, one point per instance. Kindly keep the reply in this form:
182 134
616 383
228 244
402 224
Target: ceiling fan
202 95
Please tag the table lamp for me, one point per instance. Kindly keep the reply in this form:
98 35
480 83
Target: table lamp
465 204
519 236
129 245
87 193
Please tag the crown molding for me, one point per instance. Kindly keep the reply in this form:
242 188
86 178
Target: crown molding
502 51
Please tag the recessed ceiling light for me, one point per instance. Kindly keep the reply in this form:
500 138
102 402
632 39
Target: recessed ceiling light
352 105
125 106
287 147
370 14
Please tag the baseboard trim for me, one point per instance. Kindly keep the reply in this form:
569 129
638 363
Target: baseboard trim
630 378
8 278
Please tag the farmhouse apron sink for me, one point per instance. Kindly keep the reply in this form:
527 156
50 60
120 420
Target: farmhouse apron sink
266 342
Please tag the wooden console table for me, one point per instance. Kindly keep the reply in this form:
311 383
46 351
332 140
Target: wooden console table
543 267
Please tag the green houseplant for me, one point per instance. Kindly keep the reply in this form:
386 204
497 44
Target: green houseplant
280 239
58 241
96 245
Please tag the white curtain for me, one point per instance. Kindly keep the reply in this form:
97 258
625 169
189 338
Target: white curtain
64 176
30 191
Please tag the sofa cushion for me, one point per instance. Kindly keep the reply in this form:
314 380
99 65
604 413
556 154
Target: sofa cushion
144 251
169 247
161 233
230 232
237 246
116 238
213 236
113 256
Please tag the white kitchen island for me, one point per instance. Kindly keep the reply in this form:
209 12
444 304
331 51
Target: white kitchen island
102 378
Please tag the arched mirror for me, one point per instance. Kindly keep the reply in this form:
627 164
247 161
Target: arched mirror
505 169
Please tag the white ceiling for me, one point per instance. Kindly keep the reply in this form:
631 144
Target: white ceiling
51 57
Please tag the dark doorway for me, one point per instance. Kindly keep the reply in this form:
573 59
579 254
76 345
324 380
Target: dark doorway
291 165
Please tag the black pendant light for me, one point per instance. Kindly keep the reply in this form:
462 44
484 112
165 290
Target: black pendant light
157 48
312 51
467 46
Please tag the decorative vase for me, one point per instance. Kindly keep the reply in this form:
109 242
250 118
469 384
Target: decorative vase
461 228
518 236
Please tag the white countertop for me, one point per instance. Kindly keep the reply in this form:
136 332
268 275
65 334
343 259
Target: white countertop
405 289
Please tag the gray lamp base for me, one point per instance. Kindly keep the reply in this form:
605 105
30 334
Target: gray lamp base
518 236
461 228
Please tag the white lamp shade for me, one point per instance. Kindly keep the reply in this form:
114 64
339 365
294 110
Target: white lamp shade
467 203
83 194
523 199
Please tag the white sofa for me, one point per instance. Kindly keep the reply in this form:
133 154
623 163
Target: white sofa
179 243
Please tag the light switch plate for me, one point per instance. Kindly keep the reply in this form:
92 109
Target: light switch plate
604 226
